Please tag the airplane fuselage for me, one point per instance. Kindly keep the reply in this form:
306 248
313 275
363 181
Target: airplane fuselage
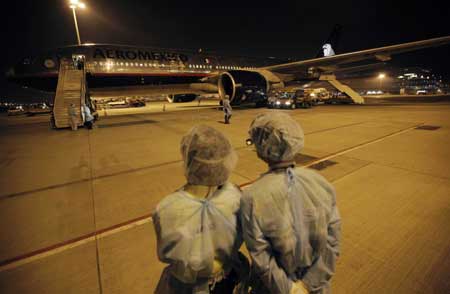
118 65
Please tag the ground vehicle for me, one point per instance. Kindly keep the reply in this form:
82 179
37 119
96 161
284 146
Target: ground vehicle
16 111
136 103
317 94
117 104
290 100
338 98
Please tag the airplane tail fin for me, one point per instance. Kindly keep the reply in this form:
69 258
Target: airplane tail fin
331 43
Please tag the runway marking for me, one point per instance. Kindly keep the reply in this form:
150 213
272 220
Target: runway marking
128 171
69 244
72 243
359 146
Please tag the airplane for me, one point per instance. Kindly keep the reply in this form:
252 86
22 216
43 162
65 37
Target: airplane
118 70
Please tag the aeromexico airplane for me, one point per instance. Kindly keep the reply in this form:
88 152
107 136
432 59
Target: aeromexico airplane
116 70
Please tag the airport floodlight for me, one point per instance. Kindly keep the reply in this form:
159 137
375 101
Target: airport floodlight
74 4
381 76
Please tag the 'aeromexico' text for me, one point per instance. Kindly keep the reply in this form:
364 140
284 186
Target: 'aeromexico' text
138 55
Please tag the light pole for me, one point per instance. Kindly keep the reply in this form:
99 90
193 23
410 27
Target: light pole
381 76
74 4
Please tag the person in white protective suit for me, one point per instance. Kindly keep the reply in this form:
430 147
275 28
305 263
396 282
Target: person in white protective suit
290 221
227 109
197 227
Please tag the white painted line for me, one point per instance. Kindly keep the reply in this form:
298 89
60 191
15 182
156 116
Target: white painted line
361 146
45 254
75 244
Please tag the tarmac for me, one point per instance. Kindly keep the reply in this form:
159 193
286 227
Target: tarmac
75 206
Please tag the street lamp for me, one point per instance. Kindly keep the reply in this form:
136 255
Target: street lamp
381 76
74 4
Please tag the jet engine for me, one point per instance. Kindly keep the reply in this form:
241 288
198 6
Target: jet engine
241 85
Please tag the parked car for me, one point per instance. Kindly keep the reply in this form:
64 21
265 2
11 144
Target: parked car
290 100
16 111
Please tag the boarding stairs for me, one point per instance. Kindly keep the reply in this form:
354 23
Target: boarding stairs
71 89
343 88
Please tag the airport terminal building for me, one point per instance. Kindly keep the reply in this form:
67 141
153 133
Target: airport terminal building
419 81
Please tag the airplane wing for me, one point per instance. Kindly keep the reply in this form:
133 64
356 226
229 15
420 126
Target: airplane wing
331 63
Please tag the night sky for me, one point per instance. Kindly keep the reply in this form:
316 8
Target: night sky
250 28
